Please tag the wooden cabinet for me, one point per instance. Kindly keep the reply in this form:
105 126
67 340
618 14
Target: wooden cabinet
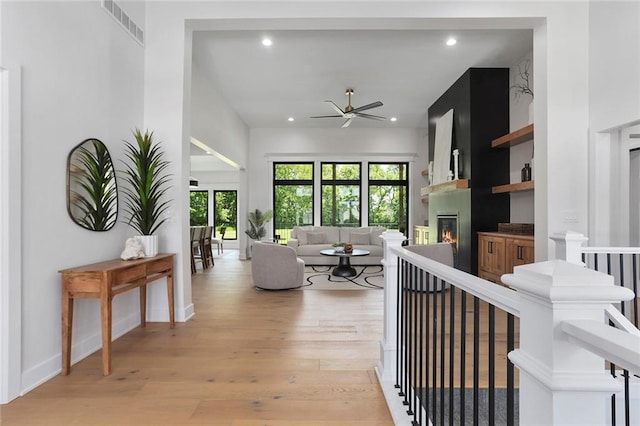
420 235
491 257
499 253
518 251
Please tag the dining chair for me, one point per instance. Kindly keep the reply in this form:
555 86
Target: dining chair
207 253
218 241
197 234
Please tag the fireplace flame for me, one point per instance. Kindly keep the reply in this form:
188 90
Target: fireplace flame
448 237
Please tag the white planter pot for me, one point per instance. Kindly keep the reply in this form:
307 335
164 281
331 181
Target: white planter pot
149 243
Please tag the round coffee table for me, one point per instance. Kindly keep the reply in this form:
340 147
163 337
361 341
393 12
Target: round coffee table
344 268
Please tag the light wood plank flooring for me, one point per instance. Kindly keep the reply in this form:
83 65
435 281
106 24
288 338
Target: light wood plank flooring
248 358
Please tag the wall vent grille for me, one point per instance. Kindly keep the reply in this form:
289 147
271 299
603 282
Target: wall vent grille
124 20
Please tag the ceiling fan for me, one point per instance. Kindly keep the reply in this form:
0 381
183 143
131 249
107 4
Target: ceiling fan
350 112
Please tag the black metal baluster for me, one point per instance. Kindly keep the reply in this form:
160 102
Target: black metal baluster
443 305
427 296
434 360
492 365
420 384
510 372
463 354
627 411
411 340
452 327
407 331
476 359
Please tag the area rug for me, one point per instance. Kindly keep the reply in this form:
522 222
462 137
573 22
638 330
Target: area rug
320 278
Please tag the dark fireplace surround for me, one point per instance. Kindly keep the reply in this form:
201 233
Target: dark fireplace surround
480 103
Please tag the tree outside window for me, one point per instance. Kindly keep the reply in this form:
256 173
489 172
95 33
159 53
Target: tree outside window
388 195
293 197
341 194
199 208
225 214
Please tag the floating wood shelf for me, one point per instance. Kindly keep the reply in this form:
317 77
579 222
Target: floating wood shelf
512 187
425 173
514 138
448 186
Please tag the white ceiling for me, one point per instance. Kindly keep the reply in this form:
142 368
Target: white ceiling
407 70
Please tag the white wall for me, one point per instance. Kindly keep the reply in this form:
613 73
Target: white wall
214 123
614 94
82 77
522 203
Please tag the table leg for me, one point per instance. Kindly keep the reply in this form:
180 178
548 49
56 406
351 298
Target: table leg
143 305
172 316
67 322
344 268
105 311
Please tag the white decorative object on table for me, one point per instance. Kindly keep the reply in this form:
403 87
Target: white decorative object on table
149 244
132 249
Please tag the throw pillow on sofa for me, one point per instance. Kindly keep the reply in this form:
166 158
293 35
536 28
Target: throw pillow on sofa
316 238
360 239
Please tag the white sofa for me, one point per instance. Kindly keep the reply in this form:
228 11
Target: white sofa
309 240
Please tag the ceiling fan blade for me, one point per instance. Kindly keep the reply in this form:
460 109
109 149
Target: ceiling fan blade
370 116
346 123
326 116
368 106
336 107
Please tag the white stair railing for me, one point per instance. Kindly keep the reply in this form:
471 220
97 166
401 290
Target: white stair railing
563 338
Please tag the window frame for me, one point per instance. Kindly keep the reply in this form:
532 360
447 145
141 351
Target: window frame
397 182
215 225
292 182
340 182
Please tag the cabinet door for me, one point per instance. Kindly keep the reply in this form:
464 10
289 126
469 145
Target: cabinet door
519 252
491 254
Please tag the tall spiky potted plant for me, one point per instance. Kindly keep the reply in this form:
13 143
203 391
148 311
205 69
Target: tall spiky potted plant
147 185
257 221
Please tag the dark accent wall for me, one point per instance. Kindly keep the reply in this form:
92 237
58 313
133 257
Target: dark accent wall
480 102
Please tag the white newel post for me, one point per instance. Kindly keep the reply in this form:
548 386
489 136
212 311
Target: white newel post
568 246
561 383
386 365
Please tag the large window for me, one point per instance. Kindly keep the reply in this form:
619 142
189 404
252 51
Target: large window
292 197
341 194
199 211
388 195
225 214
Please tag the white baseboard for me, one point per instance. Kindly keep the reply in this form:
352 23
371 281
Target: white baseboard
80 349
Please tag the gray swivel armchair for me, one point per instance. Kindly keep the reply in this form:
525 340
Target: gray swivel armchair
275 267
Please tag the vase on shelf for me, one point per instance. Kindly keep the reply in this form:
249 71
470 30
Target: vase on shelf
525 173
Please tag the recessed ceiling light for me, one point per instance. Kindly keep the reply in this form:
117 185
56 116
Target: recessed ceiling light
267 42
291 119
393 119
451 41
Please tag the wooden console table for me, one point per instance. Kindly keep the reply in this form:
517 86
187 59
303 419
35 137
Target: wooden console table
103 281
